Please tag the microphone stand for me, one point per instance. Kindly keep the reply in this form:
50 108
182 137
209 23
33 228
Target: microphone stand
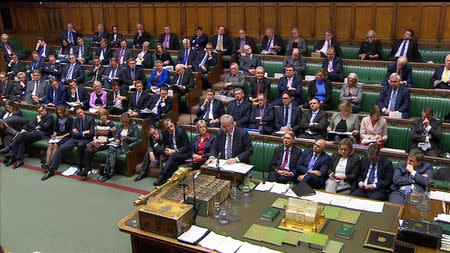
218 166
196 205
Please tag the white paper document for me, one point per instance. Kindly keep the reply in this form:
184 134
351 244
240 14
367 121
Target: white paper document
53 141
443 217
324 198
373 206
229 245
264 187
193 234
341 201
341 133
247 248
70 171
211 241
290 193
279 188
240 168
357 204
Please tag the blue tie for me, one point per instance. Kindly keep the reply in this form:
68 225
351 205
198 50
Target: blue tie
311 163
371 177
70 38
268 45
207 111
185 57
393 100
402 52
286 115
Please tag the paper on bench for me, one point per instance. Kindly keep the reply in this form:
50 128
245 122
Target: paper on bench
373 206
241 168
247 247
264 187
229 245
193 234
211 241
341 201
279 188
70 171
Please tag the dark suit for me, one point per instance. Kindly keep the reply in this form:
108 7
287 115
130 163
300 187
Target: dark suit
277 161
245 63
78 140
65 36
97 38
5 52
210 61
81 95
115 42
199 43
321 164
266 120
319 131
39 65
334 44
402 101
405 76
237 45
296 94
163 107
417 135
403 178
13 70
312 90
190 57
117 72
217 111
127 79
242 146
351 170
125 55
437 76
183 152
41 91
227 43
240 113
110 102
6 89
147 61
384 179
77 73
337 75
60 95
107 54
85 53
296 118
48 51
52 71
173 41
156 147
412 54
96 75
264 88
138 40
277 41
187 80
142 103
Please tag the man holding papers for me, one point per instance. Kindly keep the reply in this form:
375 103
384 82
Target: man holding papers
312 166
232 143
284 160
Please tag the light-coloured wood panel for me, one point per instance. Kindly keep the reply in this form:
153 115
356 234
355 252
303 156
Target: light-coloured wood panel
235 20
112 17
446 30
160 18
287 20
191 20
407 19
253 21
78 14
204 17
429 25
174 18
344 22
383 24
305 21
97 18
147 19
219 14
269 18
363 22
323 21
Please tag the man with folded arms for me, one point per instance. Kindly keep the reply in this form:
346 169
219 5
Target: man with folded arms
285 157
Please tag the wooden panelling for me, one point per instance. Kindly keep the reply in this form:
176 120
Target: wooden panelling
204 19
252 20
191 17
269 18
174 18
344 20
407 18
446 30
363 22
306 20
428 28
383 22
219 14
235 19
287 18
147 19
323 20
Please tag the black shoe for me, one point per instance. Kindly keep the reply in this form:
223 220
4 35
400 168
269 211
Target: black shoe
161 180
18 164
140 177
5 150
104 178
48 175
9 162
84 173
45 166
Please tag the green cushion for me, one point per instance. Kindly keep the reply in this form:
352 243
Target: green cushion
272 67
350 52
129 42
87 41
311 68
226 58
398 137
17 43
422 78
309 49
258 47
441 106
262 155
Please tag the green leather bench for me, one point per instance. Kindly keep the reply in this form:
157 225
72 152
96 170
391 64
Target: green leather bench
17 44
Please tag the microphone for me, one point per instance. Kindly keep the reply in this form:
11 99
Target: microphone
217 165
196 205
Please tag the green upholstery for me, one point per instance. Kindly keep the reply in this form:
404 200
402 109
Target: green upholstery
309 49
129 42
311 68
435 55
226 58
350 52
258 47
262 155
398 137
272 67
87 41
153 43
422 78
17 44
369 99
441 106
274 94
385 51
174 58
376 75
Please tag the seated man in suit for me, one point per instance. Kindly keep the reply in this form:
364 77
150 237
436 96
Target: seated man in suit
116 100
334 66
44 49
70 34
182 81
221 42
296 60
426 133
36 91
232 143
56 94
52 69
73 70
291 83
259 84
40 128
158 141
284 160
394 97
8 48
82 52
240 109
409 176
314 121
210 110
144 57
140 36
113 72
15 67
123 53
77 95
138 101
235 79
404 69
99 35
82 133
178 150
199 39
312 166
104 52
96 72
406 47
159 104
441 75
168 39
323 45
204 60
9 128
249 62
375 177
262 116
186 55
131 74
272 43
6 86
288 116
36 63
239 43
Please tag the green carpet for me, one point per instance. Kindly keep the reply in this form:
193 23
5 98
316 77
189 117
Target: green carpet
63 214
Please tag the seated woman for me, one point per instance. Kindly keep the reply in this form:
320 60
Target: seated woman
352 92
63 55
374 128
104 130
19 88
11 109
296 42
159 76
63 127
98 97
343 121
320 88
201 146
370 49
126 134
344 169
163 56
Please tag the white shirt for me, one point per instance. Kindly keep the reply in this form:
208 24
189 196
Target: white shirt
400 48
210 114
340 167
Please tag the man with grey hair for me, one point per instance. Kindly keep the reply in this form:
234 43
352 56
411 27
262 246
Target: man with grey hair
99 35
282 169
395 97
249 62
404 69
409 176
328 41
259 84
169 40
182 81
140 36
186 55
8 49
296 60
272 43
144 57
235 79
441 75
232 143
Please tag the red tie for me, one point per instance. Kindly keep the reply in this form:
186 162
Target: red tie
121 53
286 159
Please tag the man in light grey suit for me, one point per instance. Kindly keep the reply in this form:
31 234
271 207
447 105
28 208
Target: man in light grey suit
36 89
296 60
249 62
233 80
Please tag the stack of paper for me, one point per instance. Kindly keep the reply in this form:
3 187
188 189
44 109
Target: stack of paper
229 245
443 217
325 198
439 195
70 171
194 234
357 204
340 201
279 188
247 247
373 206
264 187
240 168
290 193
211 241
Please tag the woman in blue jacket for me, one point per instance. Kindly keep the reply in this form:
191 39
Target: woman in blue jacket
159 77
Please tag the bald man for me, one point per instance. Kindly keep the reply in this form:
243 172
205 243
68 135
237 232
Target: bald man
312 166
441 75
404 69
